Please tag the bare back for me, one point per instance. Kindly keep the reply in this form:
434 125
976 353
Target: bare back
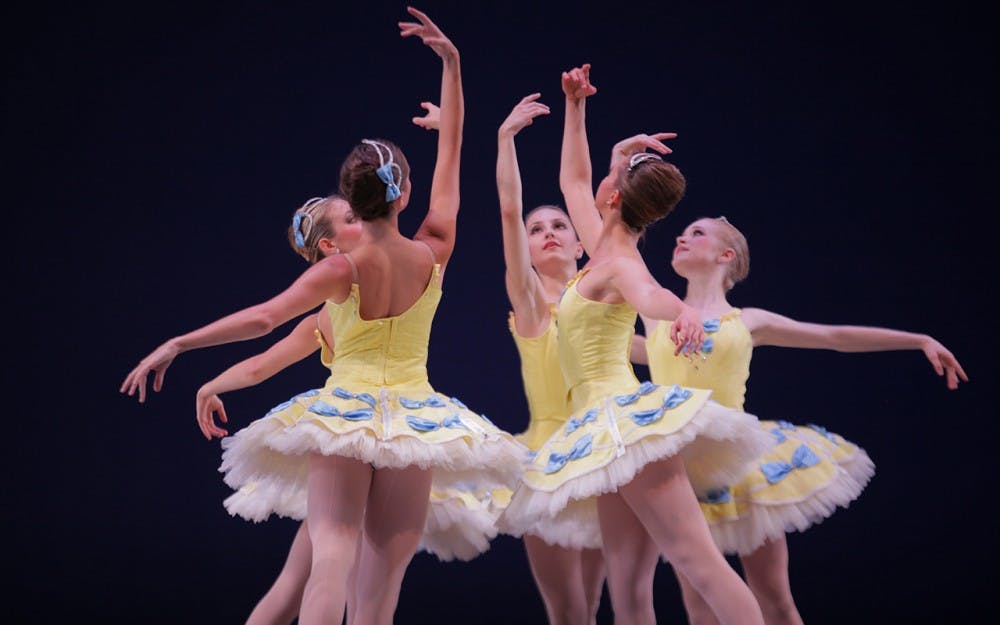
391 275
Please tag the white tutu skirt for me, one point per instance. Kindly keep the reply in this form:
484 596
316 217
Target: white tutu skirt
802 481
605 445
266 463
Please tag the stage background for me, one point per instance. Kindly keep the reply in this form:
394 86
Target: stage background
154 153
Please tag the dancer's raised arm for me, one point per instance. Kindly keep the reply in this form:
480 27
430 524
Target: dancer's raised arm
575 172
524 288
768 328
438 228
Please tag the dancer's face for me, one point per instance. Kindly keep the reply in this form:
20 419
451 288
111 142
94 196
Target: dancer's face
346 226
700 245
551 236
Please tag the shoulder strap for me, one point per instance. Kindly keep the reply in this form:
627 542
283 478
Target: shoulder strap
354 268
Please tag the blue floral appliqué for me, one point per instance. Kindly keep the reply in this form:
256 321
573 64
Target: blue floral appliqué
802 458
675 396
345 394
574 424
431 402
644 389
581 449
718 495
707 345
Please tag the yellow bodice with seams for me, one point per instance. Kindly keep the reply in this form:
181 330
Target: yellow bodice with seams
724 369
544 386
386 352
594 342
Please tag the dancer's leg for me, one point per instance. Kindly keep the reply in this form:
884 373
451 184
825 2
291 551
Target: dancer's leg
698 612
559 578
280 605
338 491
662 497
394 524
593 580
766 570
631 557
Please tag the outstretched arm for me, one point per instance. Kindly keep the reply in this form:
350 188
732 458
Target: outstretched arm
252 371
523 286
768 328
329 278
438 227
641 290
575 176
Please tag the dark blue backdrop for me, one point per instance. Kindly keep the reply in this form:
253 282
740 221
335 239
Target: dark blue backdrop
155 153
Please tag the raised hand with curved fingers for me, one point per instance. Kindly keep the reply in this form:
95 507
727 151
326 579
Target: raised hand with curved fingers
576 83
944 362
640 143
429 33
206 405
156 362
431 119
523 114
687 332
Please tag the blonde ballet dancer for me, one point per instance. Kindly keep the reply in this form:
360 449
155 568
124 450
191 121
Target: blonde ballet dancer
812 471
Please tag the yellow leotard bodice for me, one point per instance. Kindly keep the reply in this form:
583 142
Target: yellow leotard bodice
724 369
390 351
594 342
544 386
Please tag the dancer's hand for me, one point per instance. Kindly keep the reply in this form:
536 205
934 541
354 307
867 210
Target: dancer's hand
944 363
429 33
642 142
576 83
523 114
157 362
207 404
687 332
431 119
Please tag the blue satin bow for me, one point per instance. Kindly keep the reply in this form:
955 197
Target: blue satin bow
711 325
785 425
309 393
426 425
432 402
644 389
581 448
326 410
574 424
300 241
392 191
778 435
675 396
802 458
345 394
826 434
281 406
718 495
